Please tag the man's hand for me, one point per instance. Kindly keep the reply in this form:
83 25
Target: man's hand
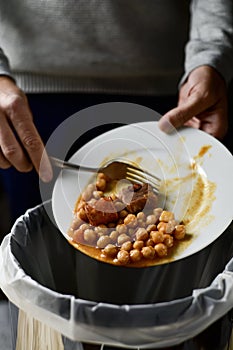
202 104
20 143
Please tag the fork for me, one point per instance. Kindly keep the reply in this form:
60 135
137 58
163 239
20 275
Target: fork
116 169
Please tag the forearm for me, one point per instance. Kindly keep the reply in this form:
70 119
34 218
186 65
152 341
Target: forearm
211 37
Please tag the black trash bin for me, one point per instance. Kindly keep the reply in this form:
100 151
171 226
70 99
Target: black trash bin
39 275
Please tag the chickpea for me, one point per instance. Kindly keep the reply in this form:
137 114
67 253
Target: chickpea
162 226
166 227
88 192
122 239
111 225
123 213
101 184
114 235
76 223
131 232
135 255
119 206
103 241
141 216
84 227
166 216
102 232
141 234
102 176
179 232
141 224
170 227
151 228
174 222
151 219
138 245
157 236
77 236
110 250
121 228
148 252
101 228
86 195
161 249
168 240
157 212
127 246
130 220
92 202
89 236
150 242
123 257
98 194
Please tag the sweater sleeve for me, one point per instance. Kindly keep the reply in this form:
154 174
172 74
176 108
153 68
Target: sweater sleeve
211 37
4 65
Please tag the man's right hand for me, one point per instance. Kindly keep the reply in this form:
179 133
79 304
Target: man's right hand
20 143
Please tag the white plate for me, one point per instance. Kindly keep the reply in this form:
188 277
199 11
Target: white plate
195 168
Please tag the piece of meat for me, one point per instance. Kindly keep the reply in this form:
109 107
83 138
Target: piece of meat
138 196
102 212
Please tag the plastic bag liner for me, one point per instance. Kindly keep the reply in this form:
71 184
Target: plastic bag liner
39 276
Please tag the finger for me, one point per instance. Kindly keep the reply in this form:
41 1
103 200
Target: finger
21 119
178 116
4 163
194 123
214 124
11 149
45 170
34 146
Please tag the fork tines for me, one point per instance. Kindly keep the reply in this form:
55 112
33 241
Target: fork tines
140 176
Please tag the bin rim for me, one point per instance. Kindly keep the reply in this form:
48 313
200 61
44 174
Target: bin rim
187 317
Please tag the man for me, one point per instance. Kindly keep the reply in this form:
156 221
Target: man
102 49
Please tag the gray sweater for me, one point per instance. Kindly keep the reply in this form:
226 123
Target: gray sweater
121 46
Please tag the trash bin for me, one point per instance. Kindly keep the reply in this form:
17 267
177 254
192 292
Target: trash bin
39 276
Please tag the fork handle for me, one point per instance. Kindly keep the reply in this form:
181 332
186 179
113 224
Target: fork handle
67 165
